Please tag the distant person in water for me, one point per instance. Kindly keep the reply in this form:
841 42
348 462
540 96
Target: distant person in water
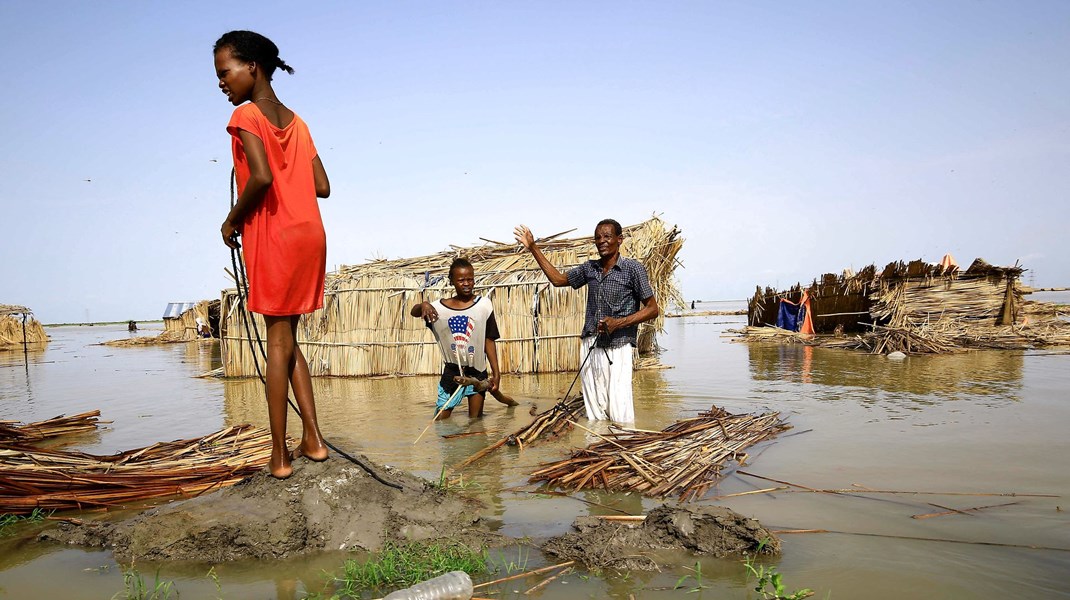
619 298
279 176
466 330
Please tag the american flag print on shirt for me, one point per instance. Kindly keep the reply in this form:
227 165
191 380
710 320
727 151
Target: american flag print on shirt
461 327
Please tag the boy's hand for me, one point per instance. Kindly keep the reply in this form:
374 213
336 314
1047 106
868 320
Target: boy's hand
523 236
428 312
495 379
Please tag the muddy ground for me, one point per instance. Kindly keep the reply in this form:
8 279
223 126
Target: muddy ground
335 505
702 530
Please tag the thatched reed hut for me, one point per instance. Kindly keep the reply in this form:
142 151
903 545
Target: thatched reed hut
900 294
917 307
185 320
364 327
18 327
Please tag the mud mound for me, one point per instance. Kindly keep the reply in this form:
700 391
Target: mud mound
709 530
334 505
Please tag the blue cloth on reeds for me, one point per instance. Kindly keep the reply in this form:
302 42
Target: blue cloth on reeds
790 316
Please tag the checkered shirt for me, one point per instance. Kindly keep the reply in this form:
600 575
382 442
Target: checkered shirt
618 294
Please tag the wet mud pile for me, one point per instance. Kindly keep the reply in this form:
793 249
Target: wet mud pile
334 505
707 531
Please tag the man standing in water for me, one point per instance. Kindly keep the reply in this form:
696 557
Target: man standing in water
619 298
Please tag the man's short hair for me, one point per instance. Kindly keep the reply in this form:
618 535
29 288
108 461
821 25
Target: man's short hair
617 229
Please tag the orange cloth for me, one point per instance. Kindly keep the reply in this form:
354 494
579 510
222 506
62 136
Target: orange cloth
949 262
807 327
283 238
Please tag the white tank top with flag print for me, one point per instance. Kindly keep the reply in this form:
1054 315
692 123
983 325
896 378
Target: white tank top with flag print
462 333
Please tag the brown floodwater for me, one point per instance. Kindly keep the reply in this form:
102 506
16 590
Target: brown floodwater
967 425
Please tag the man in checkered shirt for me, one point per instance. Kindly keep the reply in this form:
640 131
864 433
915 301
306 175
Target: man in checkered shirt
619 298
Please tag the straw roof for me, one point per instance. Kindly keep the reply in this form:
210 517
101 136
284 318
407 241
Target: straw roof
18 327
365 328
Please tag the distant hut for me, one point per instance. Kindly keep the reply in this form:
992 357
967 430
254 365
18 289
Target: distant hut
914 307
18 327
186 320
365 328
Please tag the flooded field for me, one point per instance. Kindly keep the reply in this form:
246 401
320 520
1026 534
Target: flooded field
970 426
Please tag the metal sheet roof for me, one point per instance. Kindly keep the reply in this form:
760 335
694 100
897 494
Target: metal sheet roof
174 310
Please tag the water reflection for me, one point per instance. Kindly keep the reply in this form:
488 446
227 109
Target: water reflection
1001 404
992 376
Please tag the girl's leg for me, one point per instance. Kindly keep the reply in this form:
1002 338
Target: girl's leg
312 444
280 347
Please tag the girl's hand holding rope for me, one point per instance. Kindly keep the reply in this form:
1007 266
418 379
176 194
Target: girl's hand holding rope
230 235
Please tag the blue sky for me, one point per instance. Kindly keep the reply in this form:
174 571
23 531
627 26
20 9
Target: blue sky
786 139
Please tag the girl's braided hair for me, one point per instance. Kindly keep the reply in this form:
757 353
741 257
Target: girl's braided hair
249 46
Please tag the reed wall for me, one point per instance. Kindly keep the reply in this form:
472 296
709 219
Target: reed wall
365 329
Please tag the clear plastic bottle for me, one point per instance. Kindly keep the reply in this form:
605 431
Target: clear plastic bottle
455 585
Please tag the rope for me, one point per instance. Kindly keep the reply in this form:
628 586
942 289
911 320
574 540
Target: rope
242 284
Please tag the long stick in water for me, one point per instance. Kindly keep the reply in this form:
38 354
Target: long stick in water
438 411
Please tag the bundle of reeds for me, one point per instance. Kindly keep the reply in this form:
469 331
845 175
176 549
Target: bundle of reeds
11 432
548 424
685 458
59 480
365 328
19 327
167 337
775 334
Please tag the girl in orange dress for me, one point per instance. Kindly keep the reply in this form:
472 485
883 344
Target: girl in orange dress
279 176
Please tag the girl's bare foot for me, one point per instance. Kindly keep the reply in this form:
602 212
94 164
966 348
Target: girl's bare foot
316 452
280 467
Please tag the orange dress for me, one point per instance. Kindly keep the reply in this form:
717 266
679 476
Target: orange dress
283 238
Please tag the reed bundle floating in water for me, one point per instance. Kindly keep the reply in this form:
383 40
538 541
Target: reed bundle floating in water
549 424
685 458
364 327
59 480
11 432
167 337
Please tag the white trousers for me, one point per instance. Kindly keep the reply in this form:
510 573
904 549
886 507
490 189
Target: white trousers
607 388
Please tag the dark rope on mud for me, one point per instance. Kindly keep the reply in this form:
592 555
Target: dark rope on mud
241 282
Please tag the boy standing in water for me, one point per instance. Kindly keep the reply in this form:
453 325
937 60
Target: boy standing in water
465 328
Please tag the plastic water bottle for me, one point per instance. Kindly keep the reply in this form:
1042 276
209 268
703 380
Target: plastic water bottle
455 585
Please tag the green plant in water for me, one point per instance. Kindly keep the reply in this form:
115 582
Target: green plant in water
770 583
698 586
509 566
218 586
402 565
135 588
8 519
